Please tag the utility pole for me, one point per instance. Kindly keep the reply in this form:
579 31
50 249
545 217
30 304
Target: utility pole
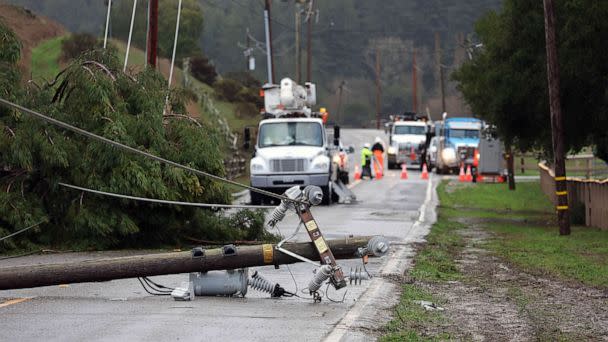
440 70
225 258
268 30
557 128
414 83
152 33
298 27
378 88
341 89
309 42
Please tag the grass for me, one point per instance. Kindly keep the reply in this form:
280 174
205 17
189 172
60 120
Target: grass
524 233
410 315
45 59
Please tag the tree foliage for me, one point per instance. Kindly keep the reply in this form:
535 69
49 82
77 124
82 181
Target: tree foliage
76 44
94 94
506 81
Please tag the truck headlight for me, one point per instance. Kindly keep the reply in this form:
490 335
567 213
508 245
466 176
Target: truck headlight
448 155
257 165
320 163
392 150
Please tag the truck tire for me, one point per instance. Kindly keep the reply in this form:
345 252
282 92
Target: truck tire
328 194
344 178
256 198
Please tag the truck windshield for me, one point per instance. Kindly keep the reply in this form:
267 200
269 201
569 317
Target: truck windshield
290 134
417 130
464 133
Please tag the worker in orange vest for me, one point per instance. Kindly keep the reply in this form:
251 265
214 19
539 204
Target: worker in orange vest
378 150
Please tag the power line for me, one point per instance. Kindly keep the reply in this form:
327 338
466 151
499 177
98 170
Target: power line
139 152
22 230
160 201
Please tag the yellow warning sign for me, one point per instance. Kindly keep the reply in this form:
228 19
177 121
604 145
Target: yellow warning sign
311 225
321 245
268 253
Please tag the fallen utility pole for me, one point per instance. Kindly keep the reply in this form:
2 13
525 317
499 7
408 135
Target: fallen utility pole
197 260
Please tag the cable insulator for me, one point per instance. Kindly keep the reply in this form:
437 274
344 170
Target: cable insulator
322 274
357 275
259 283
278 214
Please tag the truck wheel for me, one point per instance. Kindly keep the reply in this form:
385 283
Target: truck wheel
328 194
256 198
344 178
391 166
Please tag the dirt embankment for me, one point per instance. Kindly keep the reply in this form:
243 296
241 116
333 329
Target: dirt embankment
32 29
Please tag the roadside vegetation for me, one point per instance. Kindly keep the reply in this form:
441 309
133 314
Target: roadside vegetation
493 248
99 97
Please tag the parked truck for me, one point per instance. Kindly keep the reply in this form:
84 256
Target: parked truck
456 143
292 146
407 140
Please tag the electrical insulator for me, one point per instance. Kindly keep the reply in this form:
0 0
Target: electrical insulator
257 282
322 274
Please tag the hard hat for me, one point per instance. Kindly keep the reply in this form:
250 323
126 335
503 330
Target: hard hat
366 145
322 110
377 139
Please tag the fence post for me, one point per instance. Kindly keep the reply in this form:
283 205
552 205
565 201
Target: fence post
523 169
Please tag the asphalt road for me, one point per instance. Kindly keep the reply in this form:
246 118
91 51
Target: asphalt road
120 310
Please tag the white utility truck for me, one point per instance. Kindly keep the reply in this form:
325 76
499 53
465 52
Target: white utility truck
292 146
407 141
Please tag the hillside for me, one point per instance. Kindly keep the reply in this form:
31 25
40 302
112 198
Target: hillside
32 29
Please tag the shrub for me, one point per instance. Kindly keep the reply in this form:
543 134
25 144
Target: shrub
245 78
228 89
202 69
76 44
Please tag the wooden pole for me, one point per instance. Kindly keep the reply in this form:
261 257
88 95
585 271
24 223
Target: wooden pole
378 88
309 42
557 128
19 277
414 83
153 33
298 45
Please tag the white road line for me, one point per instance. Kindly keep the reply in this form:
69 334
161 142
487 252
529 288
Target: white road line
378 285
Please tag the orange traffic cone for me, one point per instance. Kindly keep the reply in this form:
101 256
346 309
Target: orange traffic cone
425 172
468 176
403 171
461 176
412 154
479 179
357 173
379 175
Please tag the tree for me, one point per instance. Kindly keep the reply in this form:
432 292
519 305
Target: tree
506 83
94 94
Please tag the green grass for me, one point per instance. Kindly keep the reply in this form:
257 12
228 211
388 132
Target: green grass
582 256
45 59
525 231
495 197
410 315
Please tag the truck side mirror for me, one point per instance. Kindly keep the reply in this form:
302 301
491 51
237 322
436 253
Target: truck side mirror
246 138
336 135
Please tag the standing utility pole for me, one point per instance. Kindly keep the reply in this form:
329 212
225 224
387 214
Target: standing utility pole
105 35
341 89
378 88
298 27
561 189
414 84
440 70
268 30
152 33
309 42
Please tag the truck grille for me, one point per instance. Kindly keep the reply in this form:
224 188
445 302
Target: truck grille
468 152
288 165
407 148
